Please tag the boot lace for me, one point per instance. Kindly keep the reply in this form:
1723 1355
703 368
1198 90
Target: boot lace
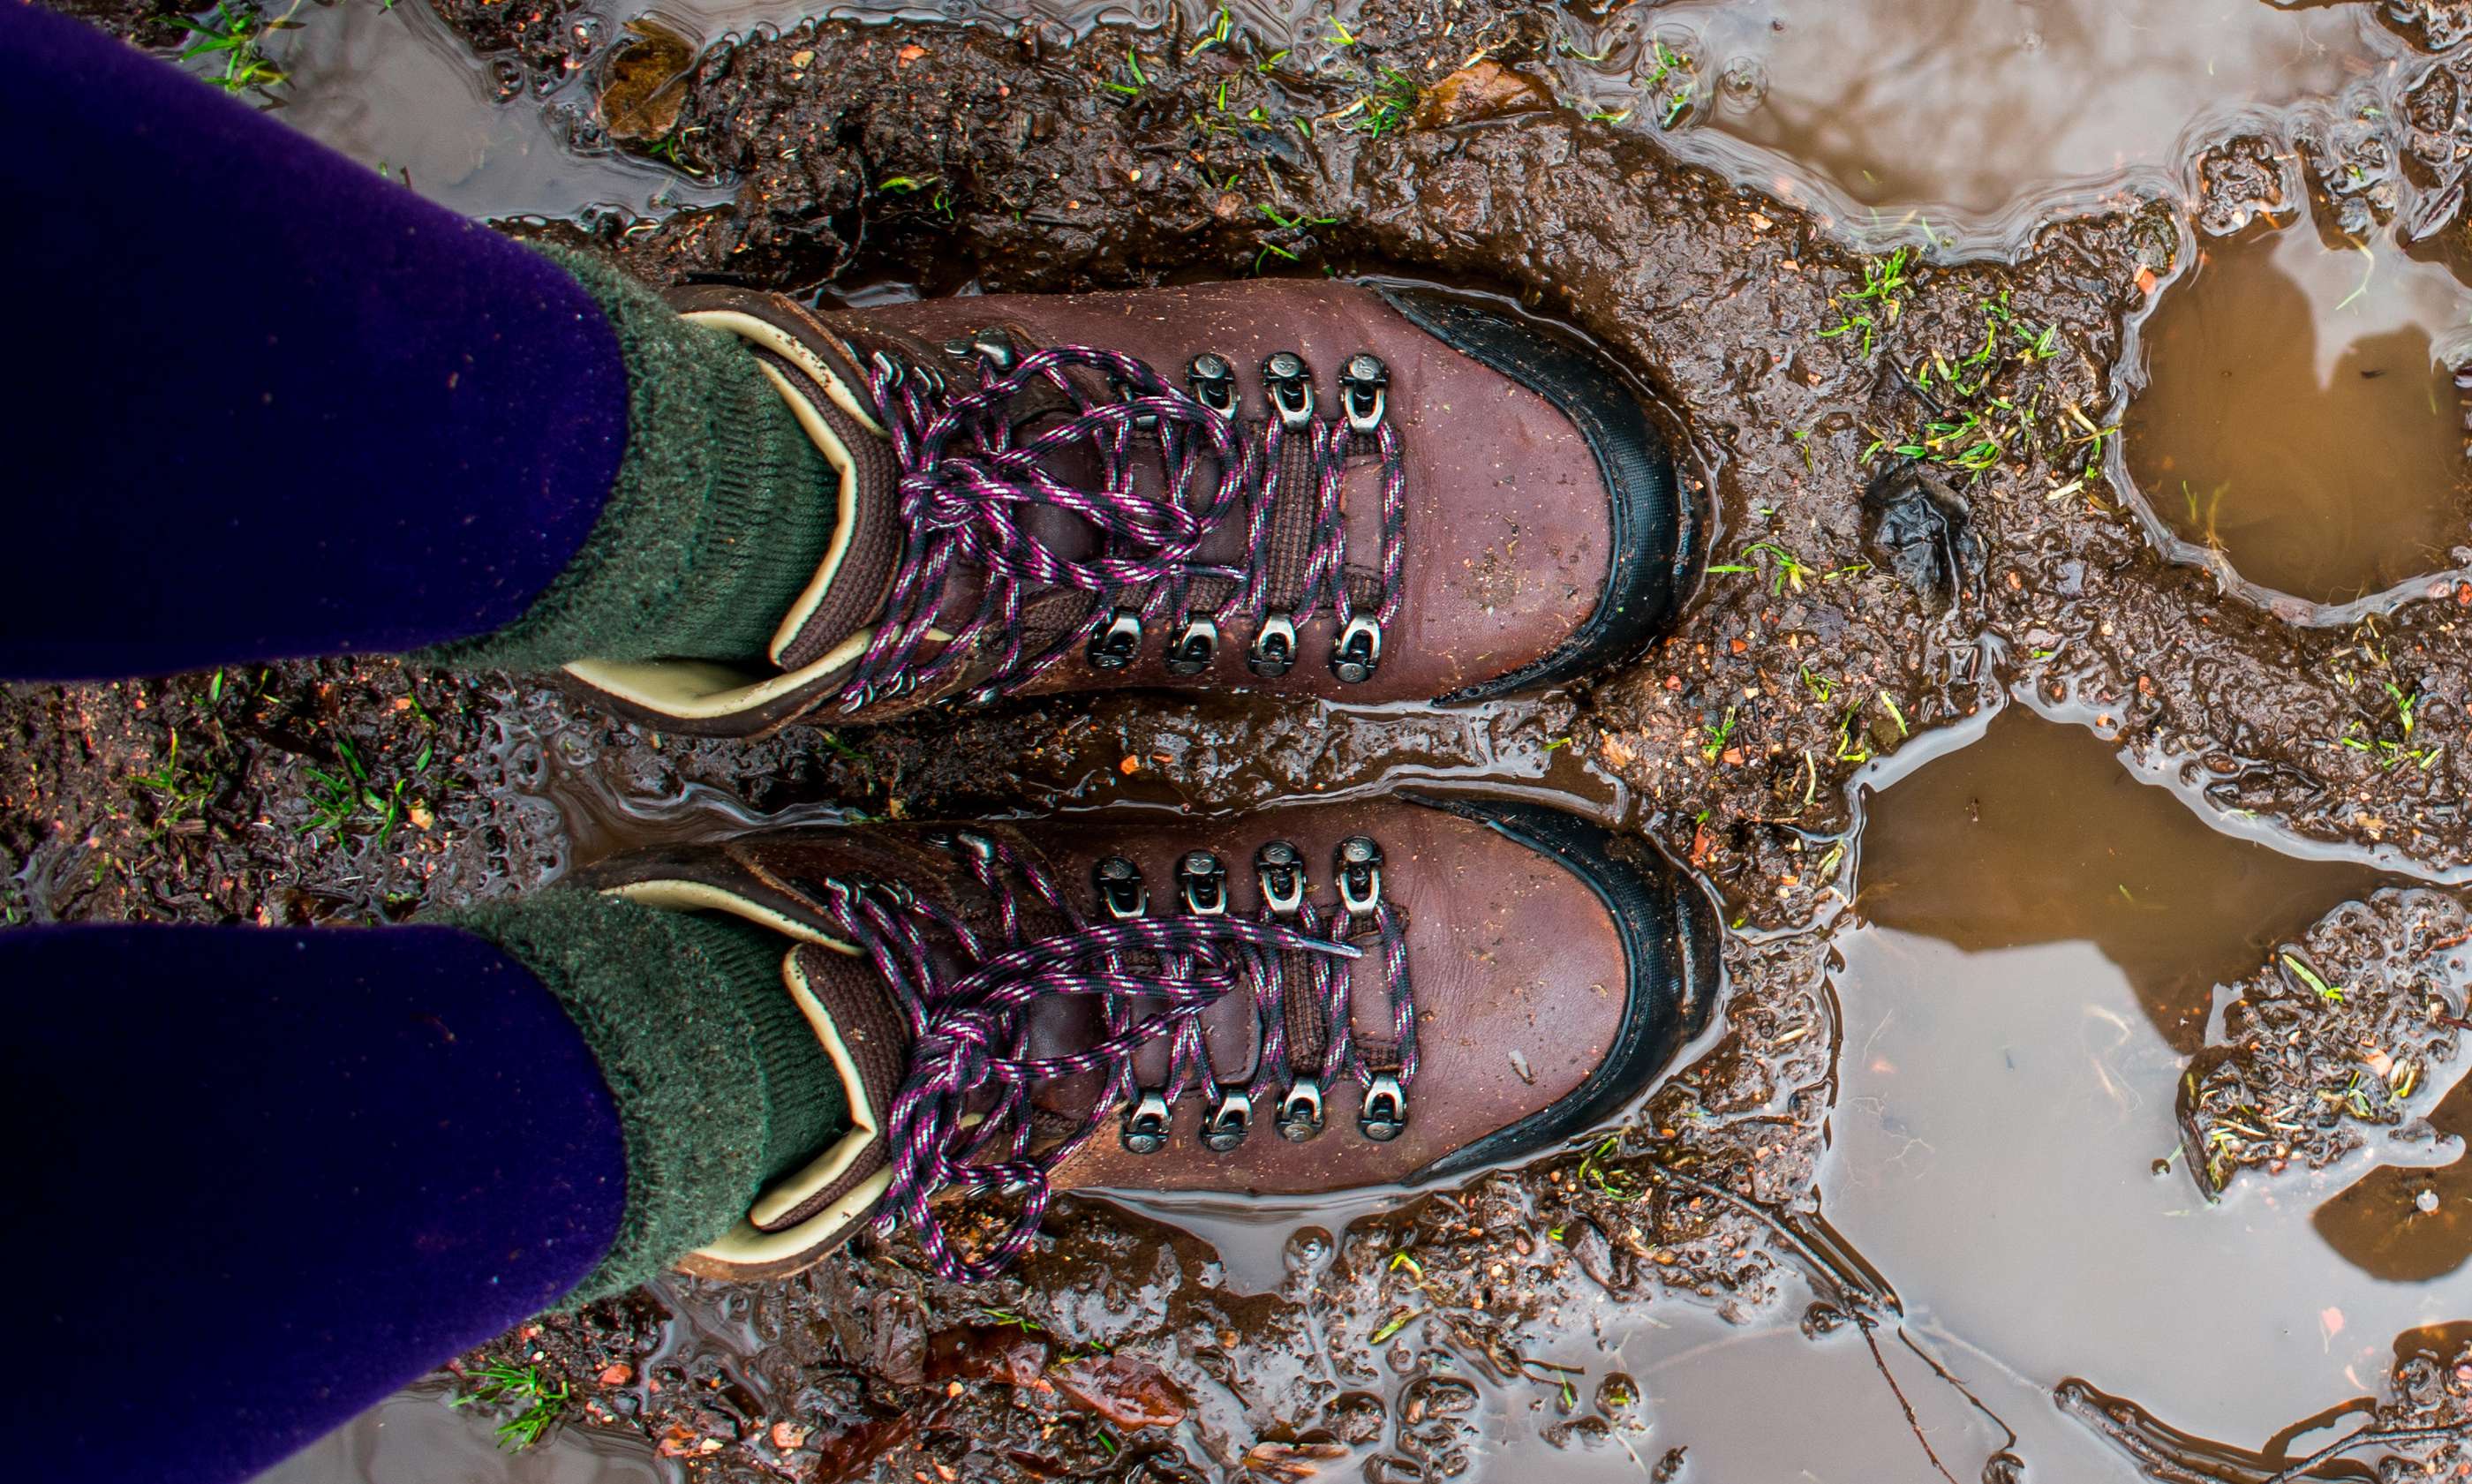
967 486
967 995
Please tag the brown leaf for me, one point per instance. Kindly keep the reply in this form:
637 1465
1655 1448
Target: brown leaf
1129 1393
1486 91
985 1352
645 83
1291 1460
852 1451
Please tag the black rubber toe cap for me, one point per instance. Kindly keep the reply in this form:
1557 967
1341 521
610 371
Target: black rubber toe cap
1655 525
1669 935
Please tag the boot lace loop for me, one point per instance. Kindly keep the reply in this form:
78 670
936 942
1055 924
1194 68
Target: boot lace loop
963 1120
967 489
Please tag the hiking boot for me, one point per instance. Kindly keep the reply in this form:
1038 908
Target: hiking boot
1300 1001
1322 490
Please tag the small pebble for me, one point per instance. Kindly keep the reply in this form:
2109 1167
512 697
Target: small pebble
2426 1201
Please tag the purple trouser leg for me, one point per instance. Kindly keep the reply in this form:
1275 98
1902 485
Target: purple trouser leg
267 403
265 1177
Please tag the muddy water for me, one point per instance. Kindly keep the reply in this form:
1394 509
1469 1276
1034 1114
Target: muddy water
2041 938
2300 416
1962 111
2406 1223
414 1437
2036 835
394 89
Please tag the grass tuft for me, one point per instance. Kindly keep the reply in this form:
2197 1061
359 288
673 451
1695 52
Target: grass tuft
235 31
541 1402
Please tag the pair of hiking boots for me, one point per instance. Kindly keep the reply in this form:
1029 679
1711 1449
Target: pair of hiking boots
1311 490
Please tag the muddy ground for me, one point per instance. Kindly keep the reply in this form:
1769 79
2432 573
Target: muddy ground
365 791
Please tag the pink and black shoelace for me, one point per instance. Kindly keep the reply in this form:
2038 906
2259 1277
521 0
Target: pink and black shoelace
968 994
967 486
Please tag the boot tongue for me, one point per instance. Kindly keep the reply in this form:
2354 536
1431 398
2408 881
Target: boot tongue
847 593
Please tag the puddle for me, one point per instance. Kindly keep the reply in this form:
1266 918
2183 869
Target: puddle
2300 416
2006 988
2406 1224
1967 110
2036 835
394 89
414 1437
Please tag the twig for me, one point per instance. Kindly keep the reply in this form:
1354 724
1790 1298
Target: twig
1904 1405
2290 1472
1825 1269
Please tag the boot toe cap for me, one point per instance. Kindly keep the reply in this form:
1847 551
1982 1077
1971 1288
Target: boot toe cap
1652 521
1666 932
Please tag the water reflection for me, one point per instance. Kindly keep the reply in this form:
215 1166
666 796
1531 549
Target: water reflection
2300 413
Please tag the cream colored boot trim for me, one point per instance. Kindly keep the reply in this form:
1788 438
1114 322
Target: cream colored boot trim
683 896
695 689
747 1243
788 347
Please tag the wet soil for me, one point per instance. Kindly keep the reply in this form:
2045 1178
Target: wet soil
1745 1246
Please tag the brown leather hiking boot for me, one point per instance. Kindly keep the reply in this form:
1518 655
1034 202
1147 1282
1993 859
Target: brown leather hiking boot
1300 1001
1373 493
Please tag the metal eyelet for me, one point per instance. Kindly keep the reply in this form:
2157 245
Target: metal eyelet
1146 1125
895 370
1192 646
995 348
1143 422
1203 883
1385 1114
893 689
1362 393
1280 868
1213 380
1117 641
1357 861
1300 1110
1121 893
1273 651
1357 652
1289 381
1229 1120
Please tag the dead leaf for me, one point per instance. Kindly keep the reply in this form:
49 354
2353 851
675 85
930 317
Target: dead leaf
1480 91
644 84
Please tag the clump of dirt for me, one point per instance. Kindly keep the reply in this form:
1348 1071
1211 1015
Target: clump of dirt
532 45
2351 1031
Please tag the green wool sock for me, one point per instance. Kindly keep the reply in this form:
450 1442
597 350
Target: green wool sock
722 512
719 1082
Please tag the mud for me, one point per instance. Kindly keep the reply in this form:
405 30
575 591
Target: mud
1937 1012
